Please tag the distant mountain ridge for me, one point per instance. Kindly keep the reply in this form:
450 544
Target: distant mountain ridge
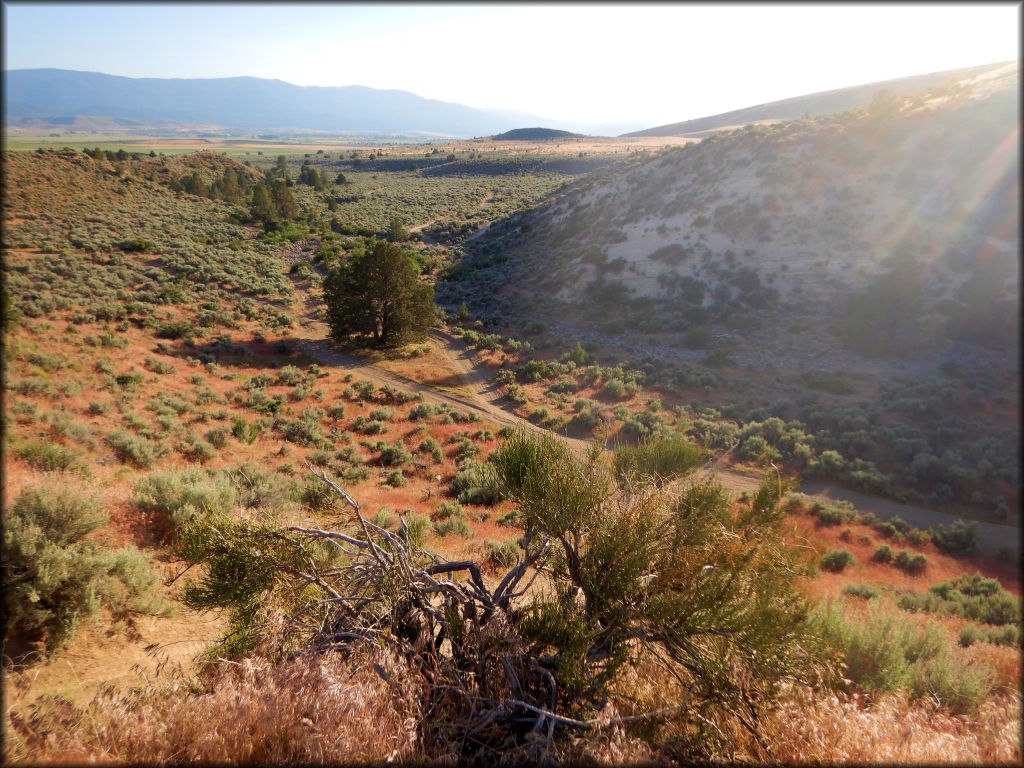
56 95
824 102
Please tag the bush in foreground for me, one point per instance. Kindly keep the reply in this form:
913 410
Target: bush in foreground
710 593
53 578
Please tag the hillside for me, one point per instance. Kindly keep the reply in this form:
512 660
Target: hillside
864 263
825 102
53 99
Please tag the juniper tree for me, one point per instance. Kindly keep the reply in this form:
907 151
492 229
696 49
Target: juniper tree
376 295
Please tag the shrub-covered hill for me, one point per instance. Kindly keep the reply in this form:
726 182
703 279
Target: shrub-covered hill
858 272
896 226
112 238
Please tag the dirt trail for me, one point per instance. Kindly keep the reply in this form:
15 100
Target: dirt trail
158 648
488 400
486 397
991 536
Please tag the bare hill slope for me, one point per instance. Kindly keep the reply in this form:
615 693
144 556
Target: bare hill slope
896 227
827 102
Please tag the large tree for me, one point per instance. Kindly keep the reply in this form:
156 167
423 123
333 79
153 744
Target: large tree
376 295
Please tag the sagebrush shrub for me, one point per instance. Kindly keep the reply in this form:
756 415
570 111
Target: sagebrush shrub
446 509
455 524
886 652
836 560
48 457
53 578
431 446
883 554
503 554
135 449
177 496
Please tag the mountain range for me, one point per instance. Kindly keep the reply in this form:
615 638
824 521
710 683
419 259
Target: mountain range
58 99
246 103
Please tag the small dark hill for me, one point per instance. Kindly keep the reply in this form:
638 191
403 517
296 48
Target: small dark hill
534 134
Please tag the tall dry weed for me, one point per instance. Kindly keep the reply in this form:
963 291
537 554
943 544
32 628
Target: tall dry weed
830 729
317 709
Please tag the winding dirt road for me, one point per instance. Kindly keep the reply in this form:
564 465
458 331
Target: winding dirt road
486 397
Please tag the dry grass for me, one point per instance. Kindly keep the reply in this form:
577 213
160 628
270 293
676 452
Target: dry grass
327 709
312 710
829 729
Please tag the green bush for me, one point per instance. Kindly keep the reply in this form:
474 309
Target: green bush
369 427
395 455
446 509
299 393
911 563
315 494
157 366
465 449
455 524
175 330
431 446
177 496
289 375
422 411
971 634
381 414
383 519
320 458
958 538
979 598
257 488
836 560
1008 634
299 431
474 484
614 388
135 449
834 512
511 519
395 479
656 459
883 554
503 554
244 431
917 537
417 525
217 437
864 591
198 450
886 652
53 578
48 457
516 394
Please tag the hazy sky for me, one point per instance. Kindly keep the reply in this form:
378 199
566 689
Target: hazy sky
653 64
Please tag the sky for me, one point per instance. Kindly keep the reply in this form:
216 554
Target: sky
596 63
